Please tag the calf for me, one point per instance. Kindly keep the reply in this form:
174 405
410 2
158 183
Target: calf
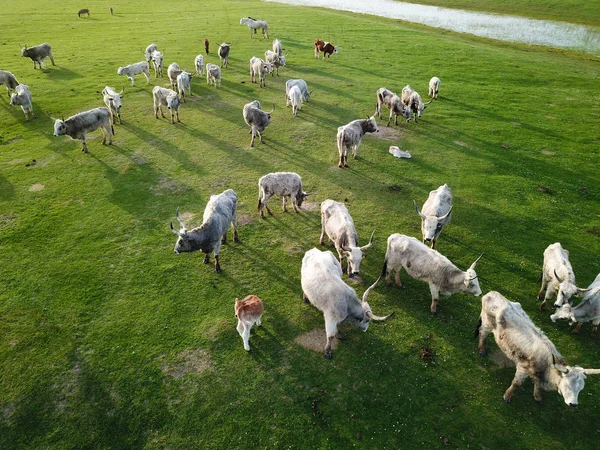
22 97
284 184
38 54
184 81
213 74
275 60
587 311
425 264
530 349
337 223
220 214
323 287
303 88
558 277
167 97
434 87
436 213
350 136
84 11
412 100
327 48
132 70
224 53
9 80
248 312
79 125
149 50
256 119
157 62
112 99
173 72
260 68
393 103
199 65
296 99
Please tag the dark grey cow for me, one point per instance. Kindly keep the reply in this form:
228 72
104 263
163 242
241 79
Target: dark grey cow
350 136
38 54
256 119
79 125
224 53
393 103
220 213
8 80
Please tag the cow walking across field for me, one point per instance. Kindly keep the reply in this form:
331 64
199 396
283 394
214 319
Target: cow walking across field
248 312
256 119
350 136
22 97
79 125
38 54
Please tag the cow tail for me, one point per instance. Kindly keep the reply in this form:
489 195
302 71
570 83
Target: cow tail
476 332
340 140
540 277
384 269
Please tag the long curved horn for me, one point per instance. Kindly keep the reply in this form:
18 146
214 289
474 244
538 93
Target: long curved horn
369 313
178 233
557 277
364 247
419 212
475 263
273 108
428 102
53 118
122 90
368 291
179 219
447 214
591 371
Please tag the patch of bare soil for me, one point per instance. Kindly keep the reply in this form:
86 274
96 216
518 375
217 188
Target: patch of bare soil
13 141
311 206
7 219
189 361
461 143
315 340
168 185
550 117
548 152
140 160
36 187
245 219
500 359
391 133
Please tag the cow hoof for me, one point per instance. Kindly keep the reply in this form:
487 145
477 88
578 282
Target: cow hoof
305 298
341 336
483 353
506 400
218 269
540 401
328 355
346 165
434 313
340 166
236 240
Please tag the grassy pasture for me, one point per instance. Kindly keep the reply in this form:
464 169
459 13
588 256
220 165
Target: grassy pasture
109 340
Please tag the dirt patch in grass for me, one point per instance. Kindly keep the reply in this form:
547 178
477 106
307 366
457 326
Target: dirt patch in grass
311 206
168 185
500 359
36 187
189 361
140 160
13 141
245 219
461 143
7 219
547 152
387 133
314 340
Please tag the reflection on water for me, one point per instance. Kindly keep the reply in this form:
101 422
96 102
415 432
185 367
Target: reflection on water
505 28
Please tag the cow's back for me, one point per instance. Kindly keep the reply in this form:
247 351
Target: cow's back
220 210
439 201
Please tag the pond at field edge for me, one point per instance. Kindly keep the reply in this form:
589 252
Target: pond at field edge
505 28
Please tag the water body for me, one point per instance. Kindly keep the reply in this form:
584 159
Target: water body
494 26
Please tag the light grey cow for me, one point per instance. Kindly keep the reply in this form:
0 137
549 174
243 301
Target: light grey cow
22 97
296 99
323 287
184 82
289 84
112 99
393 103
434 87
8 80
199 64
173 71
79 125
38 54
220 214
256 119
435 214
132 70
149 50
213 74
425 264
277 47
350 136
275 60
558 277
259 68
157 62
530 349
412 100
337 223
586 311
168 98
283 184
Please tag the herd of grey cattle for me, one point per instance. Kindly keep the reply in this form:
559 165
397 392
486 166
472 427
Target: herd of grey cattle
526 345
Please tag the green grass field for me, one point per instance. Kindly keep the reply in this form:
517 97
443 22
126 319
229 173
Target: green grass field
110 340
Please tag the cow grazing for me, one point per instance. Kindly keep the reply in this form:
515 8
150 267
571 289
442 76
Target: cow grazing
412 100
157 62
350 136
8 80
327 48
260 68
220 214
434 87
199 65
132 70
303 88
425 264
173 72
283 184
206 45
558 277
587 311
254 25
337 223
112 99
248 312
224 53
184 81
275 60
149 50
393 103
436 212
22 97
38 54
530 349
277 47
84 11
168 98
213 74
256 119
323 287
79 125
111 11
296 99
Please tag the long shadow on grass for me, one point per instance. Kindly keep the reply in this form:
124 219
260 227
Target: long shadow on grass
7 190
62 73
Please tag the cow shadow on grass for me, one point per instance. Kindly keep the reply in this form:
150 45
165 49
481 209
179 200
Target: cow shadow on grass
62 73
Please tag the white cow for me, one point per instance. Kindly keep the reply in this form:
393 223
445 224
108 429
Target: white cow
132 70
260 68
436 212
168 98
157 62
213 74
199 64
112 99
296 99
587 311
184 81
434 87
22 97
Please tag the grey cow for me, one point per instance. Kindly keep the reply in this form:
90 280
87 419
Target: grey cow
530 349
166 97
79 125
9 80
256 119
350 136
22 97
38 54
587 311
412 100
223 52
283 184
393 103
220 214
435 214
289 84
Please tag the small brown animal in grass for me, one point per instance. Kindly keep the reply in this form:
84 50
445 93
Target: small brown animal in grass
206 43
248 312
84 11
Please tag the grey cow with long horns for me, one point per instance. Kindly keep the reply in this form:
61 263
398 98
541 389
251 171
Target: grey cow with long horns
435 213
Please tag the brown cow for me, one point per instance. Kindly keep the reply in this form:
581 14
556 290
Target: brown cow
326 47
248 312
